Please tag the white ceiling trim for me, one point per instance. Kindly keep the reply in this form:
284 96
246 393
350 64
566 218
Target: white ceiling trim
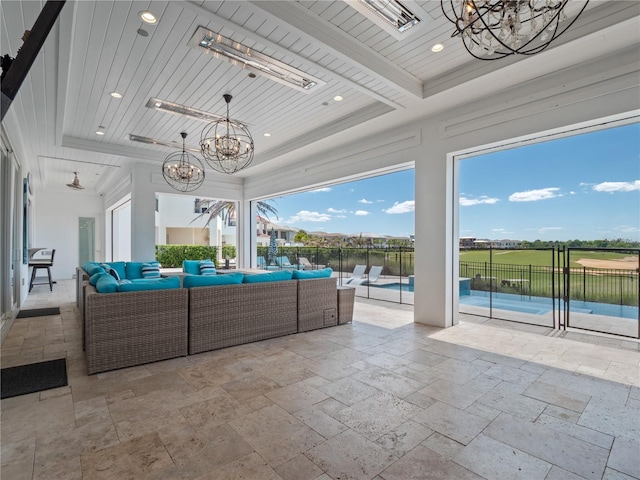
198 9
312 27
65 40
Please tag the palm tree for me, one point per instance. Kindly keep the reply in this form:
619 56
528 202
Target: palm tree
219 207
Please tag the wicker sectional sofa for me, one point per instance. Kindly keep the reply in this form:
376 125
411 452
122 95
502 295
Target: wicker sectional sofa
132 328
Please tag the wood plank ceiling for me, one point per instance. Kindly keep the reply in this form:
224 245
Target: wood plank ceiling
96 49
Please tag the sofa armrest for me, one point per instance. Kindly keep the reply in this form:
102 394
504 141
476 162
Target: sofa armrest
133 328
317 303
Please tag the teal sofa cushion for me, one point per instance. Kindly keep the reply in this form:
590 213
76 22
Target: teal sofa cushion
92 268
209 280
278 276
119 268
151 270
308 274
191 266
96 276
107 284
111 271
150 284
133 270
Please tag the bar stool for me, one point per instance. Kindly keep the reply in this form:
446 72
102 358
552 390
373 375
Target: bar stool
44 263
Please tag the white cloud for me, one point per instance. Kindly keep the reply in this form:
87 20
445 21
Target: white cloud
341 216
333 210
364 200
307 216
380 201
534 195
320 190
548 229
617 186
362 213
468 202
627 229
403 207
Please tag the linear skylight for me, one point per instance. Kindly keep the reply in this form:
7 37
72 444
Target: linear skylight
238 54
392 15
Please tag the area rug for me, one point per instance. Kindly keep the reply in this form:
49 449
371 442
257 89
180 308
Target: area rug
33 378
38 312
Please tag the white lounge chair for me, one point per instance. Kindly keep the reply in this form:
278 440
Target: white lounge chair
358 272
374 275
305 264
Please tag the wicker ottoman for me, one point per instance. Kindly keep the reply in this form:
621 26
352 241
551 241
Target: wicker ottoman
346 298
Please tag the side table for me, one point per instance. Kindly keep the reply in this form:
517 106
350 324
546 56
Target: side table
346 299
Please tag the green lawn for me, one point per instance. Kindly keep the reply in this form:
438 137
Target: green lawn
540 258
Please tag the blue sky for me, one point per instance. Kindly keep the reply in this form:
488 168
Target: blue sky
585 186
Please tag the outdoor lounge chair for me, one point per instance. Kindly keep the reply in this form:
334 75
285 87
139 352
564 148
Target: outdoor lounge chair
284 263
305 264
372 277
358 272
261 262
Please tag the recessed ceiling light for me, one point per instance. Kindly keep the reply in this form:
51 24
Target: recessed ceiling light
438 47
148 17
116 95
267 134
338 98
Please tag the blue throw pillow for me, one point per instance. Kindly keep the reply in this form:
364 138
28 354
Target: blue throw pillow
119 267
191 281
96 276
207 267
278 276
151 284
191 266
151 270
107 284
111 271
307 274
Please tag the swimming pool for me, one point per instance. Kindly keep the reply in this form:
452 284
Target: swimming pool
532 305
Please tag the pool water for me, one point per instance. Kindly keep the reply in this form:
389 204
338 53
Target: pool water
532 305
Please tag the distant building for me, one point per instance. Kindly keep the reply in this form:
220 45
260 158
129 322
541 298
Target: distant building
506 244
467 242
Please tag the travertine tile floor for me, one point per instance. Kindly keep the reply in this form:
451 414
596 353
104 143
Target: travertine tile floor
382 398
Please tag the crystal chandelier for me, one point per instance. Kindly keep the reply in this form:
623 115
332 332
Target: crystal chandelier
183 171
227 145
494 29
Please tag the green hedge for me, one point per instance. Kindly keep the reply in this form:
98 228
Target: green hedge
228 251
171 256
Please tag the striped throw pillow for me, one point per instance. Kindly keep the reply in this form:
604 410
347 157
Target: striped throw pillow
207 267
151 270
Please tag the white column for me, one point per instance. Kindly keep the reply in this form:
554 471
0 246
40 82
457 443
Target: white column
246 221
143 207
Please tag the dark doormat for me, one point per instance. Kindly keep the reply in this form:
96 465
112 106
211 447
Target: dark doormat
38 312
33 378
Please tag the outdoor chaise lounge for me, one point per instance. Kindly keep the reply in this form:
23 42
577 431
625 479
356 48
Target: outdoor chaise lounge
261 262
307 265
358 272
372 277
284 263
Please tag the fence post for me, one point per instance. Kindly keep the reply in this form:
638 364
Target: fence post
584 283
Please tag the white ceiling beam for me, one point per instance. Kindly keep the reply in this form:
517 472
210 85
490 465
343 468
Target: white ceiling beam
64 63
200 10
311 27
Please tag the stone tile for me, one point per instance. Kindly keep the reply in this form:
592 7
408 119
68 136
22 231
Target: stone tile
493 459
136 458
348 390
611 474
457 371
609 392
592 436
460 396
456 424
624 457
296 396
248 467
275 434
386 360
554 447
389 382
513 403
557 395
319 421
350 456
424 464
616 420
557 473
562 413
217 410
404 438
443 446
18 458
249 385
484 411
377 415
299 468
330 406
512 374
420 400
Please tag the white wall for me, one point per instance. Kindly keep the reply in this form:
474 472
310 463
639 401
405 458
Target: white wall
56 226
